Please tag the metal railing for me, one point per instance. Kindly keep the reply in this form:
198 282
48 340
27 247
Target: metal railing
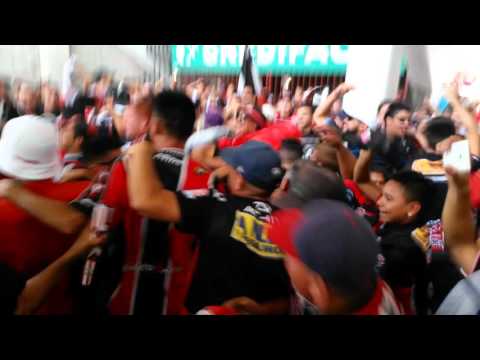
161 56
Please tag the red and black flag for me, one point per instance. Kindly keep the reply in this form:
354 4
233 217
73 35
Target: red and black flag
249 74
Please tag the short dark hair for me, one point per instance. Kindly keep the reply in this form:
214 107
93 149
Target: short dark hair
384 102
330 155
309 181
99 74
417 188
380 169
438 129
100 143
176 111
395 107
80 129
304 104
293 146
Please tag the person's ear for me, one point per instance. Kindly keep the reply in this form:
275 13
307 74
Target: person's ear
238 182
413 208
319 293
284 184
79 141
156 127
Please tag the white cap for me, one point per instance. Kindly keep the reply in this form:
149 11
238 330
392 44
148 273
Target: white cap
28 149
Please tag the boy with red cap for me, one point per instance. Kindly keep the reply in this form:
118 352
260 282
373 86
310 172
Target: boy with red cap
331 257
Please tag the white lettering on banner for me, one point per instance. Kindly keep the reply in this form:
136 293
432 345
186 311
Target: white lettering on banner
192 50
282 52
295 51
210 55
180 54
266 57
338 54
317 53
228 52
265 54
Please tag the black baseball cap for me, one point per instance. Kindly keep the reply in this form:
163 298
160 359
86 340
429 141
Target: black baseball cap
257 162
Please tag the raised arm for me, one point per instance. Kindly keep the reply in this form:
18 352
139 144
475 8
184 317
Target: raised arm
346 160
54 213
324 109
467 119
457 219
420 134
361 175
146 192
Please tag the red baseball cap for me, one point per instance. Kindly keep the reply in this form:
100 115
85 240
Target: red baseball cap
333 241
256 117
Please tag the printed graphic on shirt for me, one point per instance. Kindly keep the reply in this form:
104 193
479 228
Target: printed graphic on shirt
253 233
193 194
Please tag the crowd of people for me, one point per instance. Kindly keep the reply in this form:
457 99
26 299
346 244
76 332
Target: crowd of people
126 198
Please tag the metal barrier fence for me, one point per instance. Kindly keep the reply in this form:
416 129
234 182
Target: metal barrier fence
274 83
161 56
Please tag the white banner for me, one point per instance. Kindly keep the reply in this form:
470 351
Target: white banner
374 71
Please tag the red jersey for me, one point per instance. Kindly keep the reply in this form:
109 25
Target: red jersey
475 189
382 303
272 135
28 246
147 242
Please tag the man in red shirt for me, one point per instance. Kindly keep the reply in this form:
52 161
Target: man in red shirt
146 269
28 153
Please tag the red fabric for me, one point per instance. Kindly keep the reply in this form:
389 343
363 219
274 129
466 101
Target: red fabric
194 176
183 253
183 247
382 302
183 256
475 189
116 196
236 141
359 195
282 229
276 133
62 154
272 135
217 310
28 246
87 111
99 102
404 297
261 100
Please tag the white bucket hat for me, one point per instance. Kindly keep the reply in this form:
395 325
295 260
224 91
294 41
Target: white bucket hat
28 149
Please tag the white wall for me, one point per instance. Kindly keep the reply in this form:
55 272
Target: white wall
45 62
110 57
22 61
446 60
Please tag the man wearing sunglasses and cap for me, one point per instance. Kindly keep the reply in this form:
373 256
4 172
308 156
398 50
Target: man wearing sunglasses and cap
238 267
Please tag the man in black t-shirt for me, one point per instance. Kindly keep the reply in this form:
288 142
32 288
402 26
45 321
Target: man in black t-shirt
237 263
